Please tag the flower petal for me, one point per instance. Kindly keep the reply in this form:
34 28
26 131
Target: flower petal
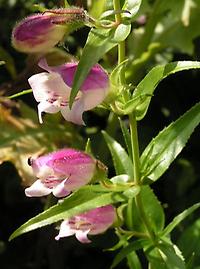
48 86
96 79
75 114
92 98
65 230
61 190
82 236
37 189
48 107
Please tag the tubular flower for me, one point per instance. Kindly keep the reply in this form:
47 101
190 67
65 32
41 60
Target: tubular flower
61 172
41 32
92 222
52 90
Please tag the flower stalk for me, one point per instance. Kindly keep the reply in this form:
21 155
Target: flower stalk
134 144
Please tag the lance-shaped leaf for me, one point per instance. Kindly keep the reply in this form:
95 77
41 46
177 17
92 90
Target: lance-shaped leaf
190 237
164 148
145 89
124 252
153 210
99 42
166 256
179 218
81 201
121 160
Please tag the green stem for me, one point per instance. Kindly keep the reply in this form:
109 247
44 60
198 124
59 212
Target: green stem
20 93
136 173
135 148
121 45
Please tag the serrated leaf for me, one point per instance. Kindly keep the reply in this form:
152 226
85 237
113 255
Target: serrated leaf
153 211
121 160
99 42
176 221
131 247
166 256
81 201
165 147
147 86
190 237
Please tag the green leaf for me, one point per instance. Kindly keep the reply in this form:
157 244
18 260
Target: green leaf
190 237
166 256
99 42
180 28
126 135
120 179
133 261
97 8
165 147
146 87
179 218
136 245
132 7
122 32
80 201
153 211
115 75
121 160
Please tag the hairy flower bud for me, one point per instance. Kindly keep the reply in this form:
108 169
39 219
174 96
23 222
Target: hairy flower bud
92 222
41 32
61 172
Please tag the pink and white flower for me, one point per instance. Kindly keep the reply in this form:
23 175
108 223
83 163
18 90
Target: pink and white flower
52 90
92 222
41 32
61 172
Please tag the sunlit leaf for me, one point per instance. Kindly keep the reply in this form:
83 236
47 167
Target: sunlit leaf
165 147
147 86
81 201
165 256
99 42
121 160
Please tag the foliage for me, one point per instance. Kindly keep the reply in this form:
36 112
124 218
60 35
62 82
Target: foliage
144 141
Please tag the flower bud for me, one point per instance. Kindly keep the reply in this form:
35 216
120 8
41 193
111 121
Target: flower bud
41 32
92 222
60 172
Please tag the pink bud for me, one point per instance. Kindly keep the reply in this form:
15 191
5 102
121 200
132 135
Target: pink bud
52 90
41 32
92 222
61 172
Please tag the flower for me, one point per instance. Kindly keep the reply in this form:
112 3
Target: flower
61 172
52 90
41 32
92 222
